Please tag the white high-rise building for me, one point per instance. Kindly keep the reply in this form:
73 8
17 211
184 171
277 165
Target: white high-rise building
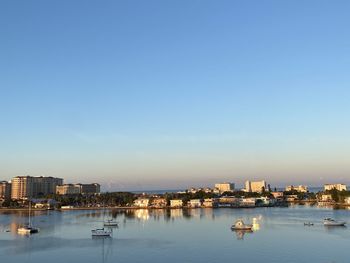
257 186
225 187
24 187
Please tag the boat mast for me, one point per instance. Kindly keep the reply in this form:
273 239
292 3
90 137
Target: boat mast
29 221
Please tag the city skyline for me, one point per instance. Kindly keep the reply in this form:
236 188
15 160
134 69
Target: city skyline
211 183
173 95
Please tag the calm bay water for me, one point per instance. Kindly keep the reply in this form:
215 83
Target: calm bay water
197 235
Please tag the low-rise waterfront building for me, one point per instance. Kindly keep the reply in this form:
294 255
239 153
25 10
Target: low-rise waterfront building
67 207
347 200
247 202
228 201
326 198
299 188
256 187
339 187
44 203
195 203
159 202
277 195
176 203
265 201
211 202
291 198
142 202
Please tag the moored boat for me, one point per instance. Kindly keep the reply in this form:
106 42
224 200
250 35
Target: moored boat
101 232
239 225
332 222
110 222
28 229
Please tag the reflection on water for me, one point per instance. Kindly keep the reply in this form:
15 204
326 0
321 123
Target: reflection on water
142 214
240 233
256 225
177 235
106 244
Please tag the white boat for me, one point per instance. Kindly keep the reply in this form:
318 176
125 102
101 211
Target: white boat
101 232
239 225
332 222
110 222
28 229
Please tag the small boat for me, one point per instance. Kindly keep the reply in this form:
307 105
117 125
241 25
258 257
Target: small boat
239 225
110 222
101 232
308 224
28 229
332 222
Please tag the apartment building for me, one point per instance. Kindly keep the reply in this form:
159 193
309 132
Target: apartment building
257 186
23 187
5 190
225 187
68 189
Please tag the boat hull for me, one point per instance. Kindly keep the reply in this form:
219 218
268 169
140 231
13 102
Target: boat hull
335 224
332 222
110 223
247 228
27 231
101 233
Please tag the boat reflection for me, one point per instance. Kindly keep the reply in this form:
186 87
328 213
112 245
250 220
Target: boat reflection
100 237
240 233
256 225
104 241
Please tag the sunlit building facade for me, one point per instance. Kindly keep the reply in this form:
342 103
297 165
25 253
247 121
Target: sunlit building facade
339 187
299 188
176 203
68 189
256 187
24 187
5 190
225 187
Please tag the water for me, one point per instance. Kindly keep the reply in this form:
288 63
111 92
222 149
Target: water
198 235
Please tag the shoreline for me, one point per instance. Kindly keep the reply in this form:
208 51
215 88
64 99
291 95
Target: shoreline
167 208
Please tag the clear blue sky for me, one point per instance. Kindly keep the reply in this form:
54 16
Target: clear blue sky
172 94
